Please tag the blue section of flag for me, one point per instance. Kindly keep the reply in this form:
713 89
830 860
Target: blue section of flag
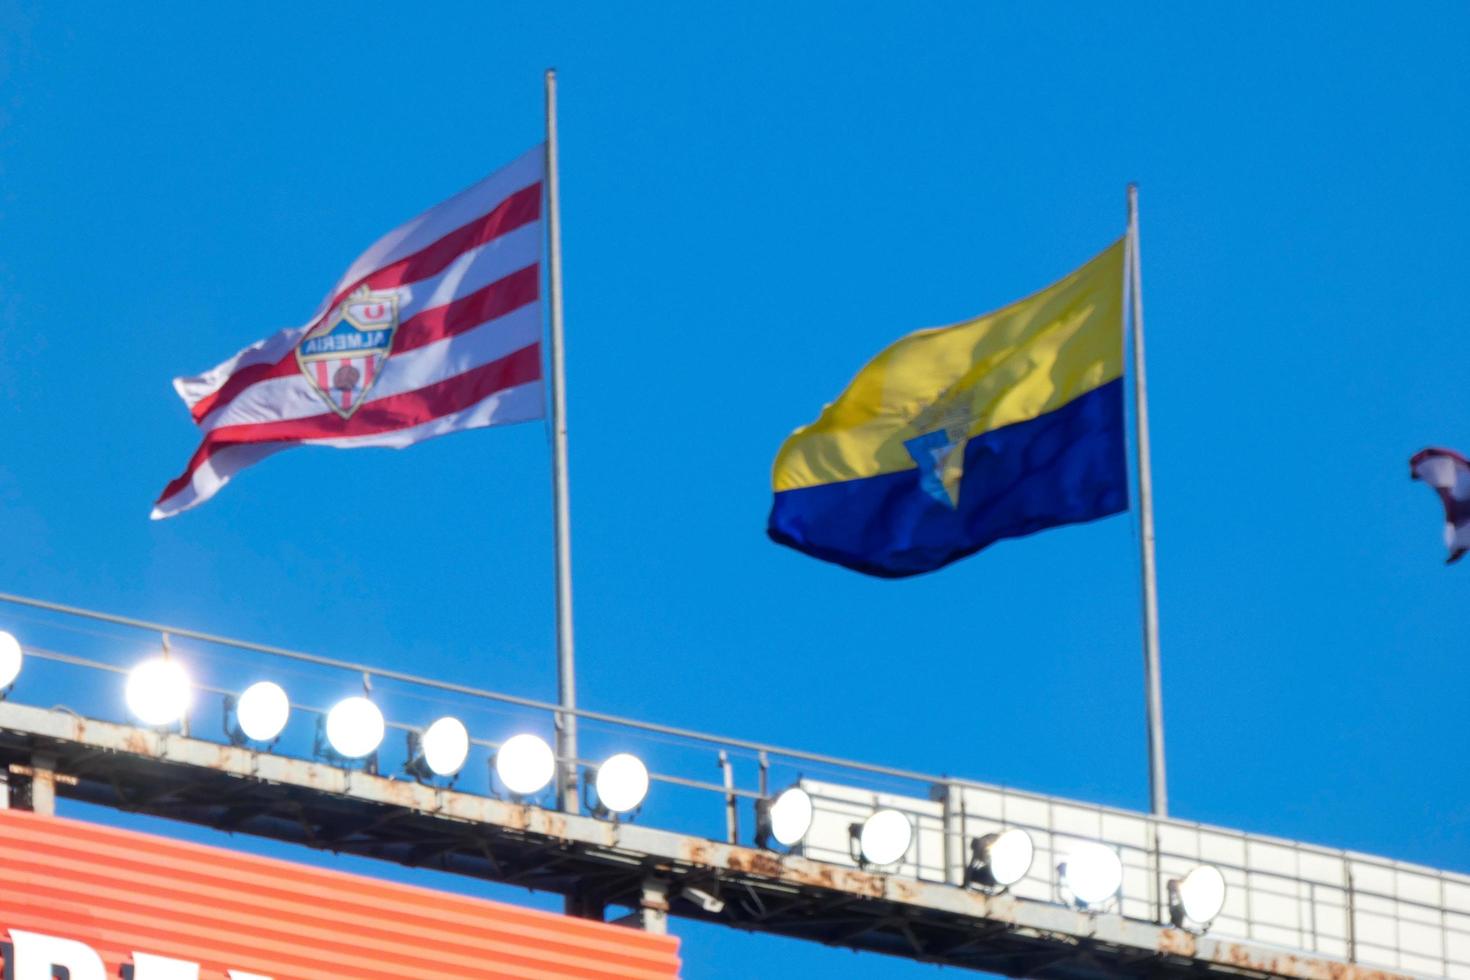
1065 467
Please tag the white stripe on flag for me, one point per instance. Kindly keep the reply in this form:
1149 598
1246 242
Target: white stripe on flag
294 397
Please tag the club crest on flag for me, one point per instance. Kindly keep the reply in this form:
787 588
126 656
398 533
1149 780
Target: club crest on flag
344 354
940 451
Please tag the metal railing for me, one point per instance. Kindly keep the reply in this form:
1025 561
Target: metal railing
1301 897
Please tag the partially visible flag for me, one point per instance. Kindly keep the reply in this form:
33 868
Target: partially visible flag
1449 474
434 329
956 437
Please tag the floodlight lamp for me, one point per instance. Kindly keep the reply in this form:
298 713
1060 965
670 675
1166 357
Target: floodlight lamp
354 727
1091 872
259 714
158 692
622 783
1197 898
525 764
1000 860
784 818
444 746
10 659
883 838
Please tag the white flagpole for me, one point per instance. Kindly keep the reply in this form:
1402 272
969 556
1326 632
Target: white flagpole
1153 692
566 671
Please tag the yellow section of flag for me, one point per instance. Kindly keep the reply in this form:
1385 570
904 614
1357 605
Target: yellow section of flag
1010 366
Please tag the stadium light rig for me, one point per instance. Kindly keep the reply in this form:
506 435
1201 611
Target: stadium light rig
784 818
881 840
621 784
999 860
440 750
158 692
258 715
524 764
352 731
1090 874
1197 899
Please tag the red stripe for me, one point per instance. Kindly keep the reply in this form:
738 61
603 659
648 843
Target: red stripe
384 415
519 209
497 299
467 312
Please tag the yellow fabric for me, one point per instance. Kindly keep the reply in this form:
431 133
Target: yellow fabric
1009 366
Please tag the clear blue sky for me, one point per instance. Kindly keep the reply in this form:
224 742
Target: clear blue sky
756 200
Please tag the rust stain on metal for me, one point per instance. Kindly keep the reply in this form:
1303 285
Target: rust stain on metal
313 776
321 777
1287 965
224 758
840 879
902 890
400 793
136 742
529 819
746 860
519 817
1177 942
756 863
16 769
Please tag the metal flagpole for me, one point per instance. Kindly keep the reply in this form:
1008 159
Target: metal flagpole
1154 697
566 673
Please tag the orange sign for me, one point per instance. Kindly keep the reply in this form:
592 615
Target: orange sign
104 904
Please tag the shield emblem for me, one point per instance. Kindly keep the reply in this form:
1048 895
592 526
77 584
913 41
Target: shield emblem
343 356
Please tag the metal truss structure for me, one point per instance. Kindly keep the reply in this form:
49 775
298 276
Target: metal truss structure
600 863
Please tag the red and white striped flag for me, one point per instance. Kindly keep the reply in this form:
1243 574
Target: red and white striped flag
1449 474
434 329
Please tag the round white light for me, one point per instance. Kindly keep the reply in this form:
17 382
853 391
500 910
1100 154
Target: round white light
1007 856
1092 872
445 745
525 764
261 712
354 727
885 837
10 659
158 691
790 816
622 782
1202 894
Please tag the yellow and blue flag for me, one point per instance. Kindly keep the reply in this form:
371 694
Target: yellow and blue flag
959 436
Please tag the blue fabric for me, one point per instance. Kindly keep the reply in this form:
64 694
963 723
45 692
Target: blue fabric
1065 467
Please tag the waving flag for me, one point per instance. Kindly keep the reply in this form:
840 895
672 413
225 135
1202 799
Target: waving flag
434 329
956 437
1449 474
